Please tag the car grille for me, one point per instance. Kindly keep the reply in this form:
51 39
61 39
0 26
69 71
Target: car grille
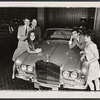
47 72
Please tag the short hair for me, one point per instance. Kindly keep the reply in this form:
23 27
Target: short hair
77 30
26 17
34 20
89 33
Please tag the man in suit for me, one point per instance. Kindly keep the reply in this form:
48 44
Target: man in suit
23 30
77 39
36 29
22 36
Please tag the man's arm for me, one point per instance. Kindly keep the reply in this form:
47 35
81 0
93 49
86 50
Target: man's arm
20 36
71 42
80 45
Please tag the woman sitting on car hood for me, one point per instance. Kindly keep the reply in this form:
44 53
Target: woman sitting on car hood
28 45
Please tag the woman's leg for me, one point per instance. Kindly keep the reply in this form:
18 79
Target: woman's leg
97 84
14 69
91 85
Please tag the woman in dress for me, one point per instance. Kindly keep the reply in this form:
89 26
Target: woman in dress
27 45
92 55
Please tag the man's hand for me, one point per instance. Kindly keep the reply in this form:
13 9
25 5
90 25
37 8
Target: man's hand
76 41
86 63
82 58
72 37
82 52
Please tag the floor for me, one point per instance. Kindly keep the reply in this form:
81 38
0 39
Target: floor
7 46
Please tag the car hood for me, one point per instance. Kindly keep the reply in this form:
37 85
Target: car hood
55 51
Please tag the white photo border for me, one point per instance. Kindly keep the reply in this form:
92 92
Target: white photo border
49 94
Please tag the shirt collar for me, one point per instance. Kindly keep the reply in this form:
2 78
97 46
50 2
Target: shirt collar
25 26
33 27
78 38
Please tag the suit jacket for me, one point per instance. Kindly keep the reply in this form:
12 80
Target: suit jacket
37 31
21 34
21 31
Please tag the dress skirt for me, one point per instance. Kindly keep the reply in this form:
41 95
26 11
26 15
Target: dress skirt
94 71
20 49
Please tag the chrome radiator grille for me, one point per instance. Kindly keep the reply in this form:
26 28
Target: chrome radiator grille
47 72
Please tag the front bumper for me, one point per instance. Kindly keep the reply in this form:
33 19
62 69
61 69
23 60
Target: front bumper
46 85
67 84
51 86
74 85
78 86
25 76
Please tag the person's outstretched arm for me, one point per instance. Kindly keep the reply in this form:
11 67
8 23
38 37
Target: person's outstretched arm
28 49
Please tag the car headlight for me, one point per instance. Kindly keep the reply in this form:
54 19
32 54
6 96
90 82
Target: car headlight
74 75
23 67
66 74
30 68
18 62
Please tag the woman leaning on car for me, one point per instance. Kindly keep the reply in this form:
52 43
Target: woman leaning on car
28 45
90 57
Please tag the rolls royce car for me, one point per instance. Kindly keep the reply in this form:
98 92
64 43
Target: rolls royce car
56 66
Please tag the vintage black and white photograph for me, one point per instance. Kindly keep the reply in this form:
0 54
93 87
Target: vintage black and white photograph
49 48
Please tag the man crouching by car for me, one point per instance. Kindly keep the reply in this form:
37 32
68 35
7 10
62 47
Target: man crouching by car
77 38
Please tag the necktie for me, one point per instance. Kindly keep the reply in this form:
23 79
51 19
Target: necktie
26 32
33 28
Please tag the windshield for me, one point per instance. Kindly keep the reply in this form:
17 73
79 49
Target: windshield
57 35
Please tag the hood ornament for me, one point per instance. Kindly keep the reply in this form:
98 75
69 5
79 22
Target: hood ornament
47 57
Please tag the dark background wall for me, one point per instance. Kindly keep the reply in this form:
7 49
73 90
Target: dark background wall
20 13
62 17
51 17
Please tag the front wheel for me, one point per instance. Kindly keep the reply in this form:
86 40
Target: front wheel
55 89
